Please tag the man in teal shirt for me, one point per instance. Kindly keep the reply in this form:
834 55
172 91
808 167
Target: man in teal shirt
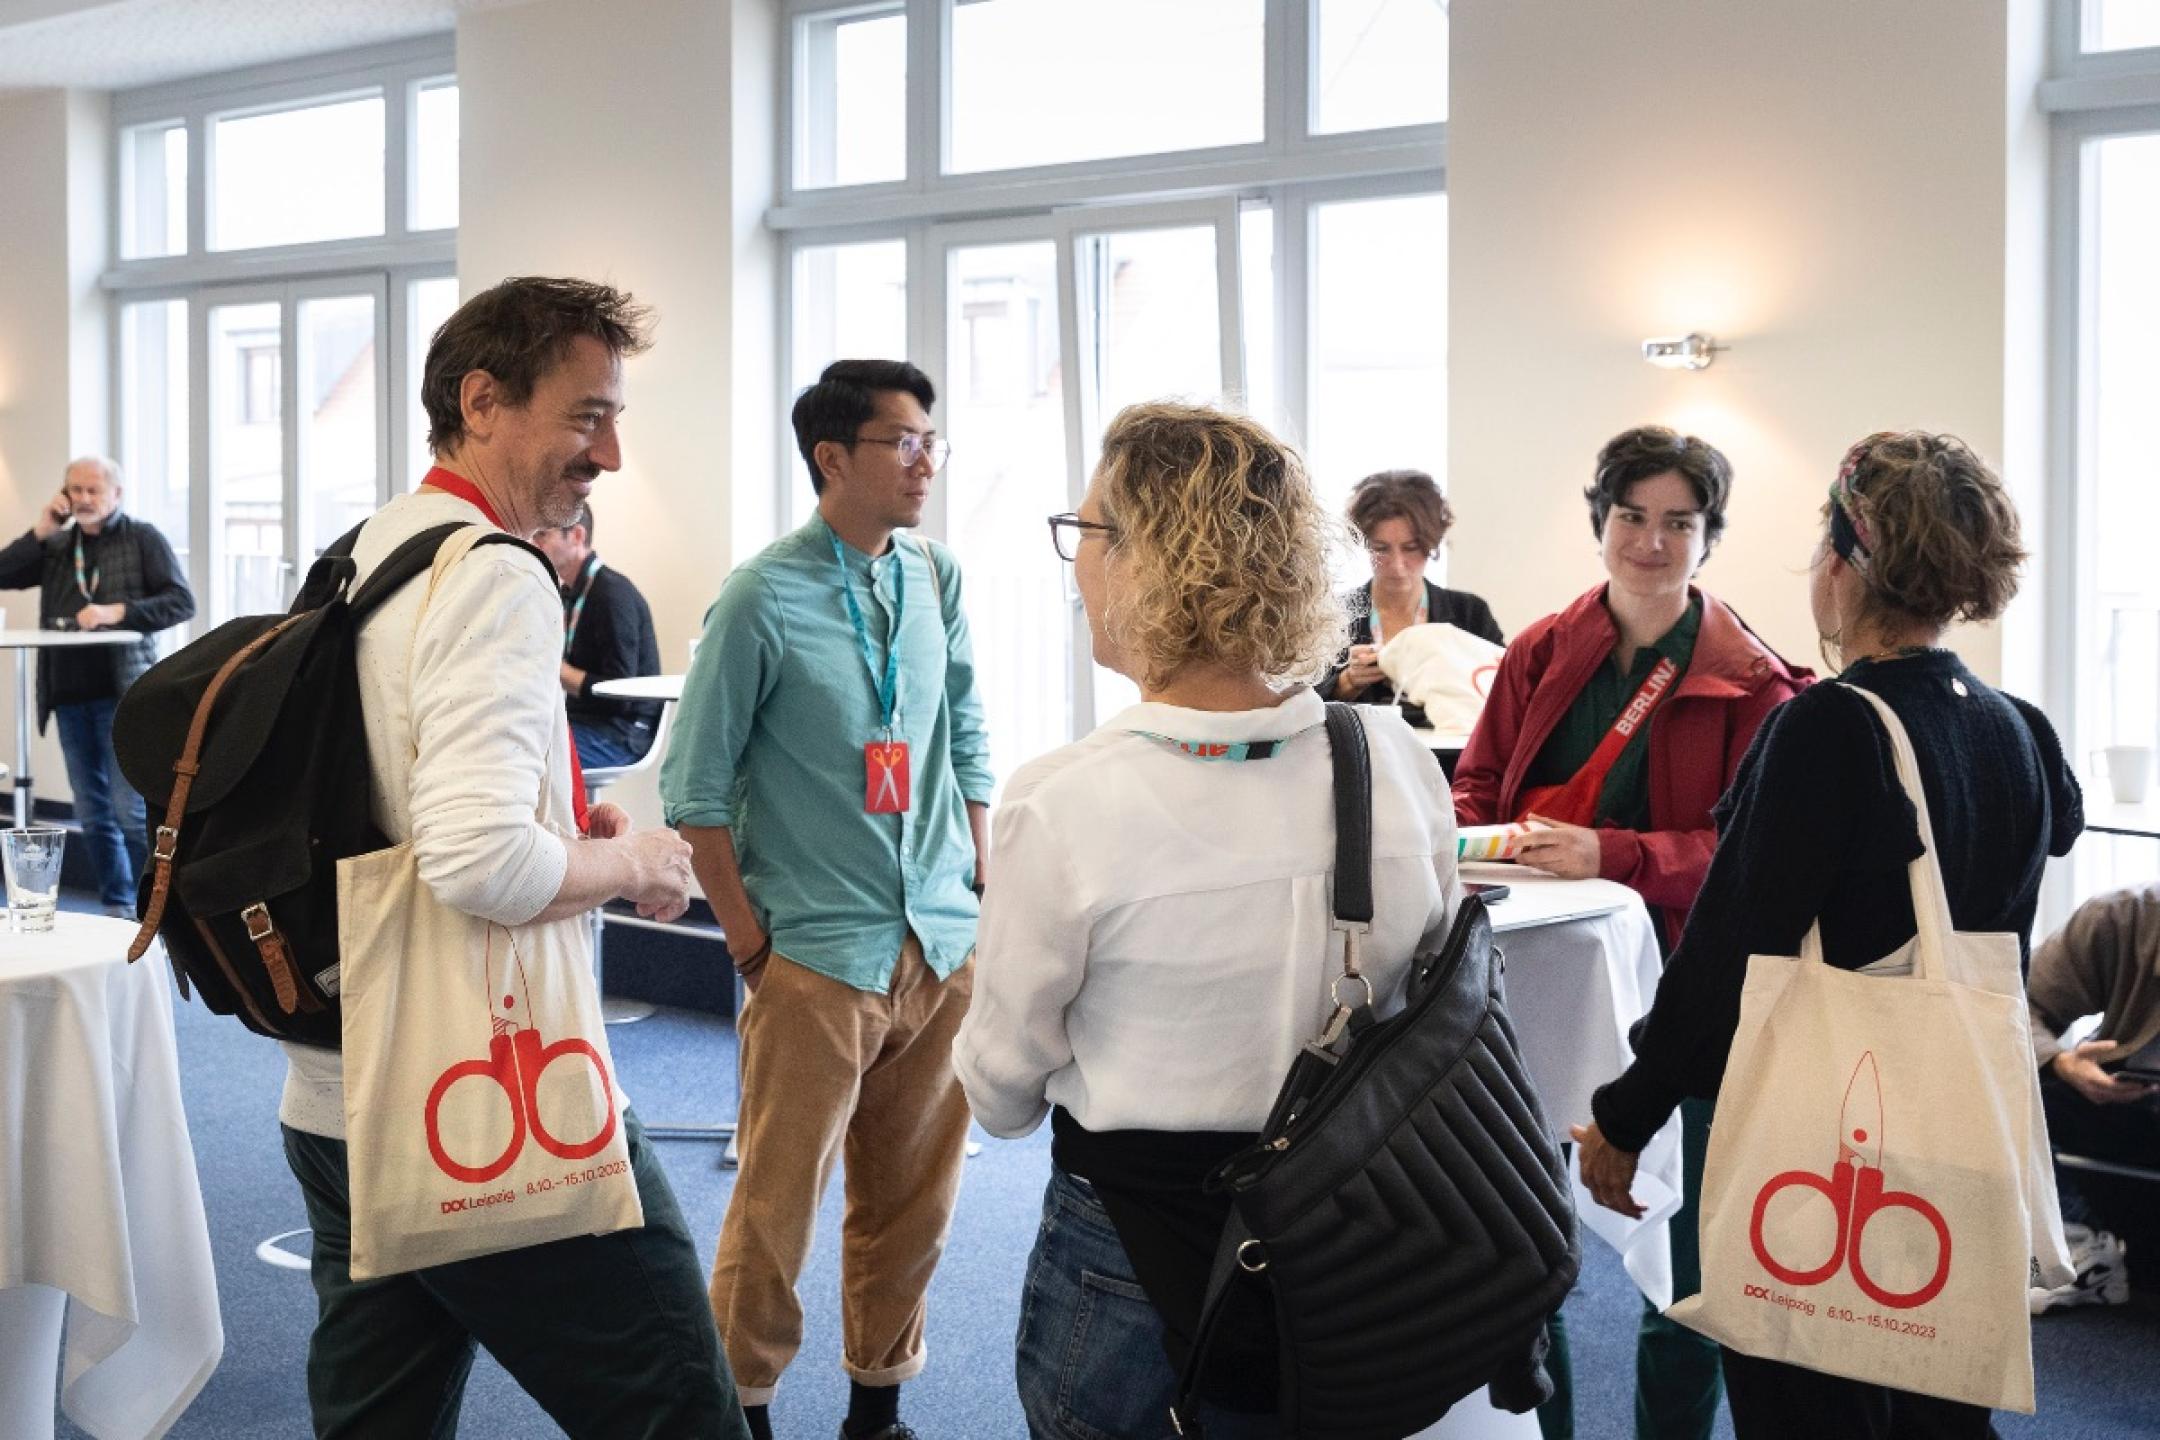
831 773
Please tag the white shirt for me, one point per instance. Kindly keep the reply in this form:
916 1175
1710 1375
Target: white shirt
465 728
1155 941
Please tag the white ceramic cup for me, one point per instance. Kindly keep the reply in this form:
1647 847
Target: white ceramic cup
2129 771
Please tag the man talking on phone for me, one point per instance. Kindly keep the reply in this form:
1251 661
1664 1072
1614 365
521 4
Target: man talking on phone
97 569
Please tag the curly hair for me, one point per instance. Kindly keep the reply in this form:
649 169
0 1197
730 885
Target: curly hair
1402 495
1938 536
1651 450
1221 546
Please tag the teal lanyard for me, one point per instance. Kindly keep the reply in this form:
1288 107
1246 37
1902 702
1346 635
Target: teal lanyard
577 606
888 683
88 585
1225 749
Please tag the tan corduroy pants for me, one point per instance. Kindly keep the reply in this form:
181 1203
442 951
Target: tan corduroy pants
827 1068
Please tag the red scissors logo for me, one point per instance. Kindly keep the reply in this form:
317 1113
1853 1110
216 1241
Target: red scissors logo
515 1062
1855 1190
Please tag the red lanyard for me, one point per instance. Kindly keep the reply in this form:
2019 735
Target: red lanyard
443 480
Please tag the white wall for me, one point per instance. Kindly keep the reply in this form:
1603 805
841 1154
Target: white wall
1821 186
608 141
53 157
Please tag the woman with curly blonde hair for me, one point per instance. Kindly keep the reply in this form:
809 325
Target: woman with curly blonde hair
1153 947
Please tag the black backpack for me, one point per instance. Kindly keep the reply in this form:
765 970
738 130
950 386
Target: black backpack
250 750
1406 1202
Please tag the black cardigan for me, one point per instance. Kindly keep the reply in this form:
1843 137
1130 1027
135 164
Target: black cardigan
1816 824
1442 607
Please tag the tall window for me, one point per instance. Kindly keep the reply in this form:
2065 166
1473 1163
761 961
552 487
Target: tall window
1057 220
2103 594
286 238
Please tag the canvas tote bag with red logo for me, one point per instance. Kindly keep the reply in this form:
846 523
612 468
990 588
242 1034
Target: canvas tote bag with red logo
481 1110
1875 1185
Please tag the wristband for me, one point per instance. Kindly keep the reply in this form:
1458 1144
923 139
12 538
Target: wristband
764 951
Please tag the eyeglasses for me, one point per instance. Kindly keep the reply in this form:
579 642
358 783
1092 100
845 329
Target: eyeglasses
1409 552
1067 530
912 447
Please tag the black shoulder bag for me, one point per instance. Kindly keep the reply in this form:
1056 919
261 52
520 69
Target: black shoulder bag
1406 1201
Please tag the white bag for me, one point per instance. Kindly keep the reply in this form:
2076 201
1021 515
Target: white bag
1445 671
481 1111
1878 1171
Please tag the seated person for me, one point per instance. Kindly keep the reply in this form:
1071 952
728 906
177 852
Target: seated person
1402 518
1629 799
607 635
2105 961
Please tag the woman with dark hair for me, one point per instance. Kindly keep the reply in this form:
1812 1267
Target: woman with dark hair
1918 533
1402 517
1615 725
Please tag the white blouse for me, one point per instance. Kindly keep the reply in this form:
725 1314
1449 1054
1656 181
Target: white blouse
1154 944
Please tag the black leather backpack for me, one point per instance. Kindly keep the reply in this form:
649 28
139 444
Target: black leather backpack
249 747
1406 1202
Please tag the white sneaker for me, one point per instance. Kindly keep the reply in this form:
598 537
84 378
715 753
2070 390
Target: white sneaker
2103 1278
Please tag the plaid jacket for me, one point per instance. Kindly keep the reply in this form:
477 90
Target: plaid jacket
133 565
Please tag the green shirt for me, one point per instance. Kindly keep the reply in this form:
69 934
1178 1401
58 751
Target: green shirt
1625 799
769 742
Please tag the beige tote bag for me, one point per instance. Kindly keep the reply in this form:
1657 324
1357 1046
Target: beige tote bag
481 1110
1876 1180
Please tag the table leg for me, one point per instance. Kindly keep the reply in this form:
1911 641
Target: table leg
725 1130
22 737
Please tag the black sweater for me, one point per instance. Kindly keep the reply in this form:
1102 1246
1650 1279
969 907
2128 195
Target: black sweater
614 641
1817 825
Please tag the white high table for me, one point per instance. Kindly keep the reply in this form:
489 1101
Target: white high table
641 687
1582 965
22 642
101 1217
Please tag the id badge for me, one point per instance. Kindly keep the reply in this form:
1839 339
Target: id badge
885 777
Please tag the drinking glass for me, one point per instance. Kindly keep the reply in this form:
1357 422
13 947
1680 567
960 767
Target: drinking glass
31 858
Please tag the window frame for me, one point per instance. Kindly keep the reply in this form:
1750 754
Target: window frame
1288 152
396 72
1292 169
386 266
2088 98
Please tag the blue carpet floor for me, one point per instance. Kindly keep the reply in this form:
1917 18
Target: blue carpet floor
2097 1367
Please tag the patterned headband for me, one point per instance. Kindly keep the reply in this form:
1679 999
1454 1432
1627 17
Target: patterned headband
1848 536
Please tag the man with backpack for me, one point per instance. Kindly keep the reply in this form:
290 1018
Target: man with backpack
471 765
98 569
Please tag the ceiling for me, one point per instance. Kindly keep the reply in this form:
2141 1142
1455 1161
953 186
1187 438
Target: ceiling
120 44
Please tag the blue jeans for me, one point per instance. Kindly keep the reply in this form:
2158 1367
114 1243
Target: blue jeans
610 1333
1090 1355
603 749
108 807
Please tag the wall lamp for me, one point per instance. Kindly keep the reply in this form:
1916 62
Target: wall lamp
1684 352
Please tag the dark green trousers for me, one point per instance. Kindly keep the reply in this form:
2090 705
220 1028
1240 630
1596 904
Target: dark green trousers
611 1334
1678 1378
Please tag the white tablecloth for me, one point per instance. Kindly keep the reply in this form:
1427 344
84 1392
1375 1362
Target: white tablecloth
1582 964
101 1216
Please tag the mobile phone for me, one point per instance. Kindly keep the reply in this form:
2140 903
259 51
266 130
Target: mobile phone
1490 894
2142 1064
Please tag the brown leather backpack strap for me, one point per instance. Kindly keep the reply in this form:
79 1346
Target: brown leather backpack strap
276 958
184 771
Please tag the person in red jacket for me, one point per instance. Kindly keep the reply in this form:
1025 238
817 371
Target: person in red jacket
1615 725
